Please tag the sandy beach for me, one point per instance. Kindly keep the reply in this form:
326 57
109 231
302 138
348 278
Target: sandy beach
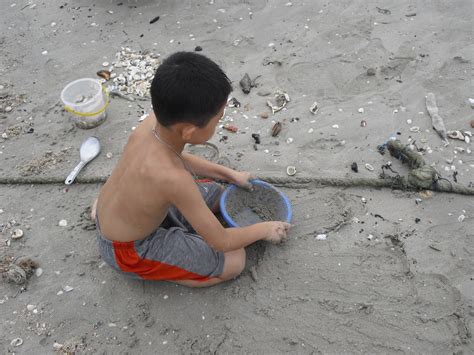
393 274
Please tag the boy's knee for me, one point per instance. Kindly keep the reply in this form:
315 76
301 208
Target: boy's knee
235 264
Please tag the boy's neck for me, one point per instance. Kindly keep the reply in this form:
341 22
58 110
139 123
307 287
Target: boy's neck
169 138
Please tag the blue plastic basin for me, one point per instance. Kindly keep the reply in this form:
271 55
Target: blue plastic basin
246 216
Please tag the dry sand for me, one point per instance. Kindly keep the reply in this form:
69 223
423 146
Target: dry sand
379 283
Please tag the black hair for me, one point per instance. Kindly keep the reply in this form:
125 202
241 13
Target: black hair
188 87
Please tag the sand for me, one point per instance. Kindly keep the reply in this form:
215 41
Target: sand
395 272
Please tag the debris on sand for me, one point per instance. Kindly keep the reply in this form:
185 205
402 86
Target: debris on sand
231 128
233 102
17 270
436 120
314 108
355 167
276 129
383 11
281 99
290 170
47 161
154 19
246 83
104 74
256 138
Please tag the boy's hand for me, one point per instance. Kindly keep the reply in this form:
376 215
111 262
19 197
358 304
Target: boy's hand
242 179
276 231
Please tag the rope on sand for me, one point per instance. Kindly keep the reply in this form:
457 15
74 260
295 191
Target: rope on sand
398 183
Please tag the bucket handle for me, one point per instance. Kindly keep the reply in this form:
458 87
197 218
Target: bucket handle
89 114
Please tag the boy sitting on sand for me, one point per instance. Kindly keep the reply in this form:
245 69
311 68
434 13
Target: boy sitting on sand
155 221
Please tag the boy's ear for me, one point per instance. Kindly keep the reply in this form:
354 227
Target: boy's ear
188 131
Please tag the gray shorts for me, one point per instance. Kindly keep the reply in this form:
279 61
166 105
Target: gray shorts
173 252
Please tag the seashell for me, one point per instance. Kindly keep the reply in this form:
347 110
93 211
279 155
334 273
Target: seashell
455 135
105 64
17 234
363 123
68 288
290 170
314 108
281 99
62 223
369 167
30 307
467 139
16 274
38 272
289 140
321 237
16 342
360 110
276 129
415 129
104 74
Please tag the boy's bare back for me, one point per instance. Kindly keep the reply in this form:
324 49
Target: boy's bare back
131 203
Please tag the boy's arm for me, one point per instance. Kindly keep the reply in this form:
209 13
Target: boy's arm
185 195
203 167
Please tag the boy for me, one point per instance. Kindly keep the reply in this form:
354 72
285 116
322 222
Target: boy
155 221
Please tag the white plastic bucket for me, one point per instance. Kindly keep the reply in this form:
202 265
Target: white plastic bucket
87 100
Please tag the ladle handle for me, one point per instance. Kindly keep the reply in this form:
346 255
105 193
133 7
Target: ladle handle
74 173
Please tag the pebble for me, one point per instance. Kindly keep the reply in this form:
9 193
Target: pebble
370 237
105 64
364 200
409 121
62 223
165 297
109 155
30 307
44 52
53 24
198 49
311 130
8 109
335 126
321 237
38 272
264 115
289 140
360 110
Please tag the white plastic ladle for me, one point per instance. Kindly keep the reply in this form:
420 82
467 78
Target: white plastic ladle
90 148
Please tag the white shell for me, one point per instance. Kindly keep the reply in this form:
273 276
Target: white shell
39 272
17 234
360 110
16 342
415 129
62 223
321 237
68 288
291 170
369 167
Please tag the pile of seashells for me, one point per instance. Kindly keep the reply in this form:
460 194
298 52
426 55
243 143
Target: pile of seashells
138 69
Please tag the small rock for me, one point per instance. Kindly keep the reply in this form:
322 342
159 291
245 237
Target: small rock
109 155
321 237
336 126
38 272
264 115
363 123
371 72
62 223
246 83
8 109
360 110
30 307
105 64
355 167
417 220
289 140
198 49
370 237
44 52
409 121
311 130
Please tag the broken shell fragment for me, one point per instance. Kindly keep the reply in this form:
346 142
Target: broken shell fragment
17 234
38 272
104 74
105 64
415 129
456 135
369 167
16 342
314 108
231 128
281 99
363 123
276 129
290 170
233 102
62 223
289 140
321 237
68 288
